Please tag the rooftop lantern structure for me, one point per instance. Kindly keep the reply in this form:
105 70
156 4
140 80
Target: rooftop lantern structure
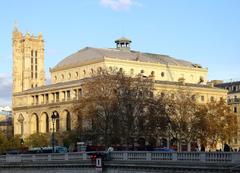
123 43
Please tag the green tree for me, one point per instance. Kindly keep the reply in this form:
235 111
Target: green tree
3 143
38 140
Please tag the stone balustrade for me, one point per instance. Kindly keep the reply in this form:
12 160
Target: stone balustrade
202 157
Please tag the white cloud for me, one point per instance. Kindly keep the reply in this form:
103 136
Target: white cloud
6 89
118 5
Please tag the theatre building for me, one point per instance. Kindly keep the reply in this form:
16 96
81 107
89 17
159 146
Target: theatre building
34 101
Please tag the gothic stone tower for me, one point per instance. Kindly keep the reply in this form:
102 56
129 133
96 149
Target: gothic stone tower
28 61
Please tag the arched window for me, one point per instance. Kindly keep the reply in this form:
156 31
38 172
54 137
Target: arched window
62 76
69 75
34 123
153 73
21 120
68 122
162 74
47 123
44 123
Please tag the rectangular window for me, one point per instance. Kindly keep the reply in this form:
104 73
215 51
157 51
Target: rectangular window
235 109
35 61
57 96
36 75
80 93
32 98
68 95
31 53
37 99
46 98
32 75
211 98
64 97
32 60
202 98
35 67
35 53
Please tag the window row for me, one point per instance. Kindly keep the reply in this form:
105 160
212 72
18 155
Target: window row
233 88
54 97
84 73
202 98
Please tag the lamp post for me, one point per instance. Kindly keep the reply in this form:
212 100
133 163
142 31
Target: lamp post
54 117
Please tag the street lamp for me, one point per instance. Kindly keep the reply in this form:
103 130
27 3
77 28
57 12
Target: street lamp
54 117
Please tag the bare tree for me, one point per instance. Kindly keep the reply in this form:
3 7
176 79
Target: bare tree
185 117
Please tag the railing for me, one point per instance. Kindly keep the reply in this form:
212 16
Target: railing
203 157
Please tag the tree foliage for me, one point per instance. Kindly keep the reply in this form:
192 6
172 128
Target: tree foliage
37 140
120 109
221 122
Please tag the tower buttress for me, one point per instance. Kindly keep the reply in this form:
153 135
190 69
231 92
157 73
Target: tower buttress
28 61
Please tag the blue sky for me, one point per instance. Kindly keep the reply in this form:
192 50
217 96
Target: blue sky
201 31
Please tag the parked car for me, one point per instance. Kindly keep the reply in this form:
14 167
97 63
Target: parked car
38 150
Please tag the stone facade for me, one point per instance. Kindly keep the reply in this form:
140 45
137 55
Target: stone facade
34 102
233 99
28 61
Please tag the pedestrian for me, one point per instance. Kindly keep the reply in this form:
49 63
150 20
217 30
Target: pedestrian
226 148
202 148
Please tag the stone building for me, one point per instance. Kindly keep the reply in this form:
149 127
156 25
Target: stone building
6 126
233 99
34 102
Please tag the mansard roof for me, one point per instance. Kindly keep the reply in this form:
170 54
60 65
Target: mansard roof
90 54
